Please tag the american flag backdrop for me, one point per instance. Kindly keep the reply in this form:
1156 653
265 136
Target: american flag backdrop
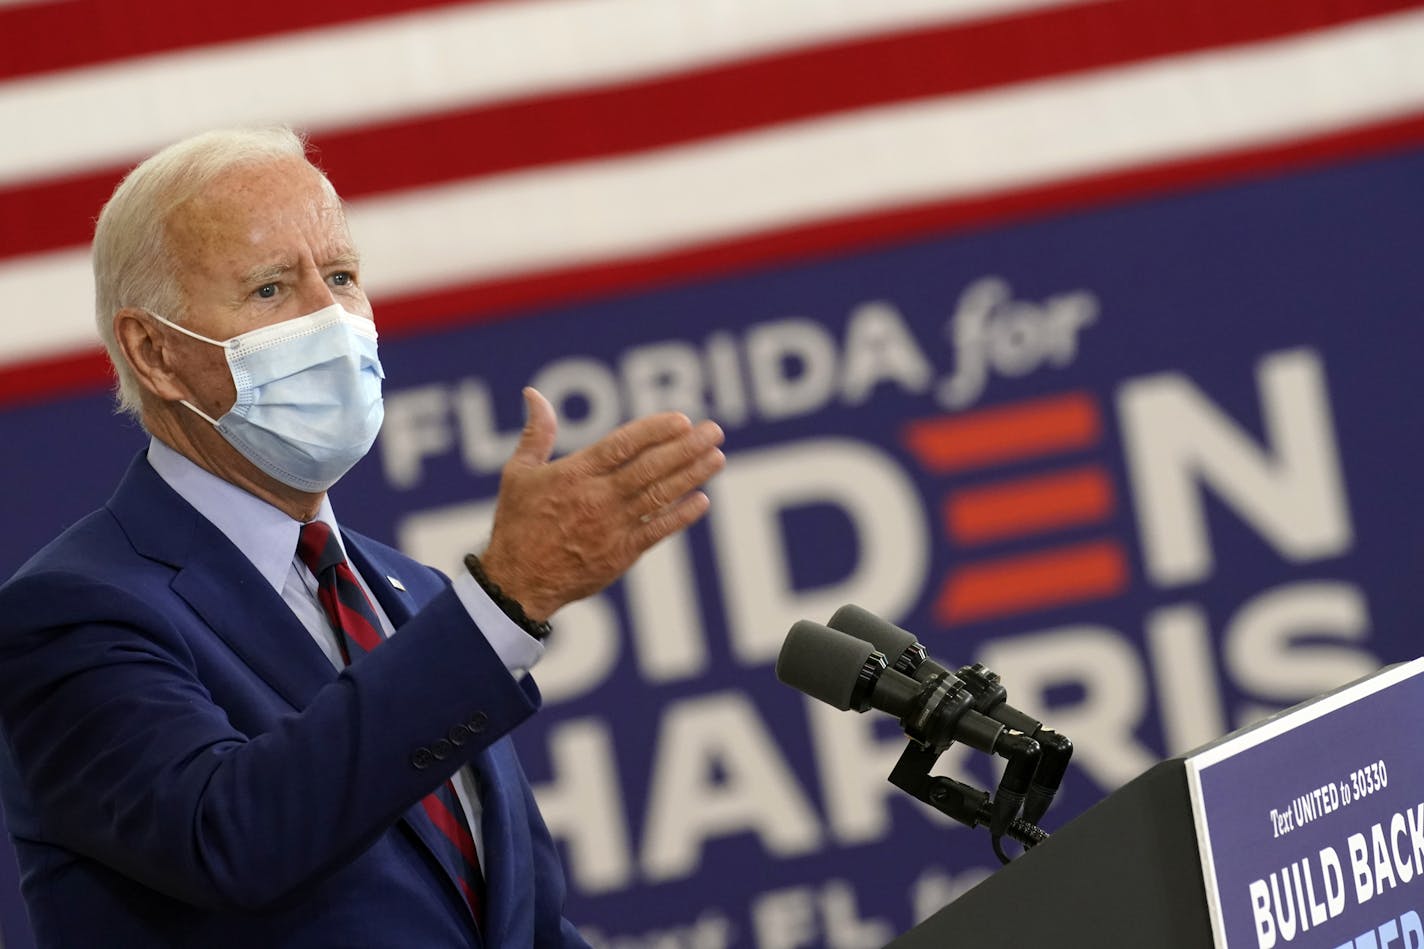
1206 194
499 155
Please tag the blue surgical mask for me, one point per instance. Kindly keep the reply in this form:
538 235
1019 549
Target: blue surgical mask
308 395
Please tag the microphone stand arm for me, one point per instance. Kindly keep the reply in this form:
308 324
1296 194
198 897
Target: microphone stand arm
962 802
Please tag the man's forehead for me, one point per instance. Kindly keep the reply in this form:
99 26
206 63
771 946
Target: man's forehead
262 208
240 208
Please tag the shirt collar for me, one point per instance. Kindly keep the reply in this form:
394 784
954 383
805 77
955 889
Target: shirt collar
265 535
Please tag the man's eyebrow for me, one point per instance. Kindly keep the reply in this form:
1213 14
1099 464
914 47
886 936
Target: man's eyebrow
266 273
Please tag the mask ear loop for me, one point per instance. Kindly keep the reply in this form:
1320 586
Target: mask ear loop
198 336
200 413
185 331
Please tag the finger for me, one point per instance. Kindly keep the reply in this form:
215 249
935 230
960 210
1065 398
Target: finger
629 441
661 494
664 461
686 512
541 425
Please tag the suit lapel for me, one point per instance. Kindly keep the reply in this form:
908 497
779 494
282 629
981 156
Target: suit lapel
395 601
253 620
509 903
221 585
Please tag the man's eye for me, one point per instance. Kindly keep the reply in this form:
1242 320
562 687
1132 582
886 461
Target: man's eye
342 279
267 291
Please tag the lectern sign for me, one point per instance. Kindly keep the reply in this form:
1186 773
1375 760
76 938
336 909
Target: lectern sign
1311 826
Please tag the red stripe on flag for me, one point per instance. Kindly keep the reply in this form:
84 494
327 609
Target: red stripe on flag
54 377
52 36
805 84
479 302
44 37
1029 505
705 103
1075 574
474 303
993 436
51 215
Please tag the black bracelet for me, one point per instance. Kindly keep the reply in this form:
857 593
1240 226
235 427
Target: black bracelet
512 608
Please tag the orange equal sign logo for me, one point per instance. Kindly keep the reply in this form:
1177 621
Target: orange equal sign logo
1076 495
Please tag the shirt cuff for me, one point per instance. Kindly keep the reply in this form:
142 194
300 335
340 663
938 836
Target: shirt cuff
515 648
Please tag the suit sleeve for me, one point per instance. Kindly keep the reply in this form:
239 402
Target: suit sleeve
126 757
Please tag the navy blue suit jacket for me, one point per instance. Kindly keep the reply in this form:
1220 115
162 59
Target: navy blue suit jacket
182 766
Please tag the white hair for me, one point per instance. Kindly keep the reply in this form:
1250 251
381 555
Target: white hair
132 265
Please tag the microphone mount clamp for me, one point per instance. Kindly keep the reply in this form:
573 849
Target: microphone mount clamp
962 802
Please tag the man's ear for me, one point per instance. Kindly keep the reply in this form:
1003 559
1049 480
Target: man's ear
145 346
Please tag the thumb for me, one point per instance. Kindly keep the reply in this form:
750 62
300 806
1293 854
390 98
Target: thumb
536 442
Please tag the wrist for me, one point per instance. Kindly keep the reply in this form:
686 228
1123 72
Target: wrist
509 605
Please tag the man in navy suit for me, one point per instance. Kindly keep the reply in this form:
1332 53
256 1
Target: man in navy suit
198 749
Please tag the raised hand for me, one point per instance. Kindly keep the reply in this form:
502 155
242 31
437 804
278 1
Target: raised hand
565 529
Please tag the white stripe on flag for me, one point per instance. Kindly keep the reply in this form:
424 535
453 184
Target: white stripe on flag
49 302
893 156
400 66
956 146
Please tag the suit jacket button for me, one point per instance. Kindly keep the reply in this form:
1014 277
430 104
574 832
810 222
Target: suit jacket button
441 749
422 759
459 735
478 722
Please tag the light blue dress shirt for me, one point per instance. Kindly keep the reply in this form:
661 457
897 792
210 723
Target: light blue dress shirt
268 538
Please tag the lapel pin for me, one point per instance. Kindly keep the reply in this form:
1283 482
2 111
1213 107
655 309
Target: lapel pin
397 584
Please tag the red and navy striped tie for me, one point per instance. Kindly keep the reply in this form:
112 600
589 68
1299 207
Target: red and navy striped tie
359 631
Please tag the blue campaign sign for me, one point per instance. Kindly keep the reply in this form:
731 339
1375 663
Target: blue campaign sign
1312 825
1151 478
1153 463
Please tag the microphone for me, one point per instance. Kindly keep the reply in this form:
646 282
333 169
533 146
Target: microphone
849 673
906 655
902 650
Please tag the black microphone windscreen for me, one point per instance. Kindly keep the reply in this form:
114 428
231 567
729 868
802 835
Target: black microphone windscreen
823 663
863 624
